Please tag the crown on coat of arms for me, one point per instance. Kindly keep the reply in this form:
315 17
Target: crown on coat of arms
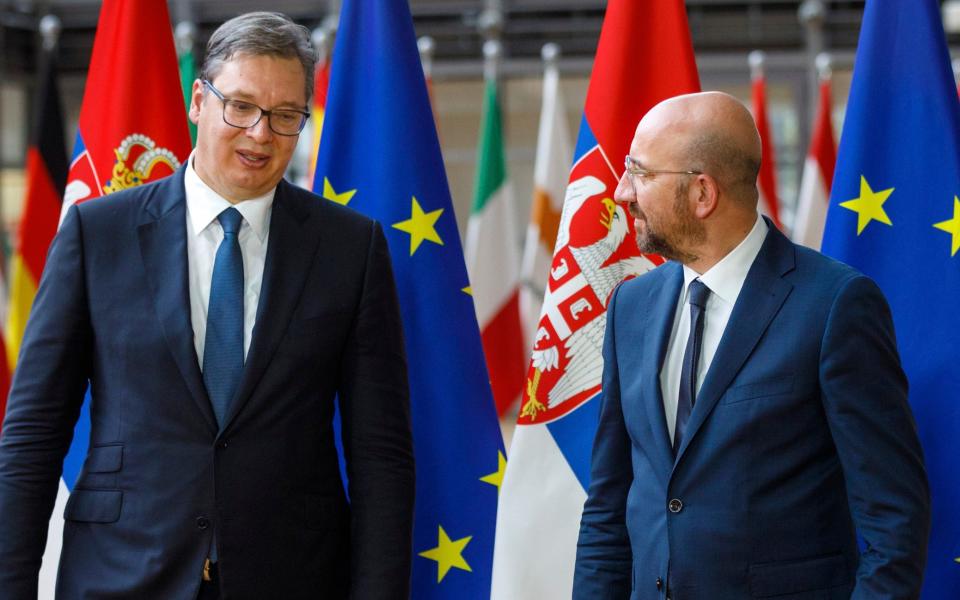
145 154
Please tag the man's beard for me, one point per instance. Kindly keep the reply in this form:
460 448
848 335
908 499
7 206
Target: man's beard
687 230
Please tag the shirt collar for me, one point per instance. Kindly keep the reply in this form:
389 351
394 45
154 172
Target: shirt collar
726 278
204 205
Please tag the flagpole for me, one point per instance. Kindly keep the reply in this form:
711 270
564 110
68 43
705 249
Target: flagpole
824 64
813 15
426 46
492 53
757 60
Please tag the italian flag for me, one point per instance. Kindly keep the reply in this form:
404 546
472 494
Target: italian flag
493 261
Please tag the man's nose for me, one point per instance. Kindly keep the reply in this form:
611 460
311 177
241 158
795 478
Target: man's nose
260 132
625 191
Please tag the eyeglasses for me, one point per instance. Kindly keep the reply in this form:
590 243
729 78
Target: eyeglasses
633 167
243 115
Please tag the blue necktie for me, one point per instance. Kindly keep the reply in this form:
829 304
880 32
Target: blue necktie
691 358
223 347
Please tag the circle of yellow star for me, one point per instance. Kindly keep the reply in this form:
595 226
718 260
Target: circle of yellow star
496 478
952 226
340 198
448 554
869 206
420 226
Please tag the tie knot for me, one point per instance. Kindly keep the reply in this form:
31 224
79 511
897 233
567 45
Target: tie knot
230 219
699 293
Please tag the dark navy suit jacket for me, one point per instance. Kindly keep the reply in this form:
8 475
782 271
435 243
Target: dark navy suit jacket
800 435
160 476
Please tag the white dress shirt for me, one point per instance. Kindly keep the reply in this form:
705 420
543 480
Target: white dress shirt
204 235
725 280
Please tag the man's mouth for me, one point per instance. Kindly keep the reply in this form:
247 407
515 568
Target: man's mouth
253 159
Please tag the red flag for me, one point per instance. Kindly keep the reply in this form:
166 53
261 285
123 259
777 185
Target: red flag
769 204
133 125
46 178
817 176
132 130
644 56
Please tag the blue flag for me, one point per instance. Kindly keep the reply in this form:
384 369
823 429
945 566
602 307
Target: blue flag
380 155
895 214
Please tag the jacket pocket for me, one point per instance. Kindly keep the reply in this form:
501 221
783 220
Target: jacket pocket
798 576
94 506
104 459
759 389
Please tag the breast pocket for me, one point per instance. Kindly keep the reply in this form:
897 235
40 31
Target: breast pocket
764 388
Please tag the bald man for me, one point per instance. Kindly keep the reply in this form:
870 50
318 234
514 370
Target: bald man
754 415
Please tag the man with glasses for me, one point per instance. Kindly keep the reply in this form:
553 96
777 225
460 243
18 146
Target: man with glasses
216 315
754 413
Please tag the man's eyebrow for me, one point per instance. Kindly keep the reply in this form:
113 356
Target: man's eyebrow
245 97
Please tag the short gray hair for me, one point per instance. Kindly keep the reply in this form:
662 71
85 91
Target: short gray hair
721 157
260 34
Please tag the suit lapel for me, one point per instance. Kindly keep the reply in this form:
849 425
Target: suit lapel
761 297
290 253
663 305
163 248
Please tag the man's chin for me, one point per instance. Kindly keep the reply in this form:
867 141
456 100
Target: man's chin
659 246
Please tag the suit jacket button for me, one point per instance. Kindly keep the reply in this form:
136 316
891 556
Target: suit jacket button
202 523
222 445
659 583
675 505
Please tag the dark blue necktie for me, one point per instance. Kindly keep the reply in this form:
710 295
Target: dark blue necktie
691 358
223 347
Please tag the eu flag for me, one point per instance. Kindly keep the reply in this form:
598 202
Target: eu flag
380 155
895 214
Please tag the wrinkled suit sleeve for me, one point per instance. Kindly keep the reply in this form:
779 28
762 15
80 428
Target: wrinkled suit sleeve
865 399
43 407
375 408
604 559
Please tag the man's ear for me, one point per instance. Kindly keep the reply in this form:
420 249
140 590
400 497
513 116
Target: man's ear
196 97
705 193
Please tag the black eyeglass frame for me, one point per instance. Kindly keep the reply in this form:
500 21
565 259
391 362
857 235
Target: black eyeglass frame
263 112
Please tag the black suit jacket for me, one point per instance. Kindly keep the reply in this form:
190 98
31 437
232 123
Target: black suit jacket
160 477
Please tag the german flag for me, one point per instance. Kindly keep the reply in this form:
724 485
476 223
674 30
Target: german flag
46 179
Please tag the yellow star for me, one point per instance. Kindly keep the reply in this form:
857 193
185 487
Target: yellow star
496 478
420 226
448 554
869 206
467 290
330 194
952 226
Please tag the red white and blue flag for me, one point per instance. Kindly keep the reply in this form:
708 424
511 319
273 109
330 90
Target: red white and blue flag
132 130
644 56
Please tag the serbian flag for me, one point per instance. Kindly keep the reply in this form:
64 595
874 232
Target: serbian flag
132 130
644 56
817 175
46 178
769 204
550 171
